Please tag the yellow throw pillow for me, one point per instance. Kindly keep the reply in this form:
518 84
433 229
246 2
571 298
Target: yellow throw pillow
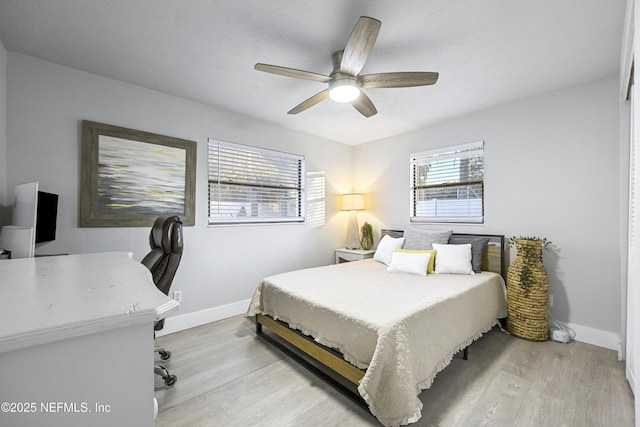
432 258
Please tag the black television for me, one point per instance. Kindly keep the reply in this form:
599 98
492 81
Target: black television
46 217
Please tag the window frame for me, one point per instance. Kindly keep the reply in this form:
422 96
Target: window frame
461 151
266 156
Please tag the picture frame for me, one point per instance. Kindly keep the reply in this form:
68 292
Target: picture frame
130 177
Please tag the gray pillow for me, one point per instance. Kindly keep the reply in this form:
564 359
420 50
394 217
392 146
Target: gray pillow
478 246
415 239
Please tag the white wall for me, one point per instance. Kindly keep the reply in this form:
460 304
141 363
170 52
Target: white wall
221 265
551 170
630 123
3 132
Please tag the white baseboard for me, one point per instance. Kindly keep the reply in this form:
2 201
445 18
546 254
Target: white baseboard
190 320
597 337
631 379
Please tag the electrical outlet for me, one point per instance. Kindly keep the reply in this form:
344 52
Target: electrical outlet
177 296
550 300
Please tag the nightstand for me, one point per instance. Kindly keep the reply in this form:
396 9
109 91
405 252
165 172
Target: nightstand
346 255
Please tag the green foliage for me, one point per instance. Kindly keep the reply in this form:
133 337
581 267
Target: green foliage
544 242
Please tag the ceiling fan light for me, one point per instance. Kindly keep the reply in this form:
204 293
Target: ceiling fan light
343 90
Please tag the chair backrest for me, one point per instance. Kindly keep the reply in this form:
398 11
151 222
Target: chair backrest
166 244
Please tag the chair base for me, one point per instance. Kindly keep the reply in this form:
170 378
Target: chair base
169 380
164 354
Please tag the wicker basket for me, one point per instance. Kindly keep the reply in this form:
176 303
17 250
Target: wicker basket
528 304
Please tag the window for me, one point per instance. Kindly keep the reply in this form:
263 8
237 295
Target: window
254 185
447 185
316 199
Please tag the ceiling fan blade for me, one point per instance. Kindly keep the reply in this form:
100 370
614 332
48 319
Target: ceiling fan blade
292 72
315 99
400 79
364 105
359 45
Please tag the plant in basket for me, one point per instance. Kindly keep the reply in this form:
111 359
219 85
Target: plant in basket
528 289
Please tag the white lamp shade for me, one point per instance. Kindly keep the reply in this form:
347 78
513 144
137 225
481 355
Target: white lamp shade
352 202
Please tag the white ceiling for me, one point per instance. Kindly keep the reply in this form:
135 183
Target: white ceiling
488 52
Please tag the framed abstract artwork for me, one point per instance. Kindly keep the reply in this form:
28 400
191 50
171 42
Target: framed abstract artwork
130 177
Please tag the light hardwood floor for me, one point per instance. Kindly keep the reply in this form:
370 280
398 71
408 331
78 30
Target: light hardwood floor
229 377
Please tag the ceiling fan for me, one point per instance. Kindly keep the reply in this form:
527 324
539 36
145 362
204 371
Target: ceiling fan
344 82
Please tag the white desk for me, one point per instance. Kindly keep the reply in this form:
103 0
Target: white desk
76 340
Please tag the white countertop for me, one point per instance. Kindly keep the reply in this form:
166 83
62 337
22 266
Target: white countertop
51 298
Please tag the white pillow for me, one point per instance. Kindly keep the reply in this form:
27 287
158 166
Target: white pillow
386 248
407 262
453 259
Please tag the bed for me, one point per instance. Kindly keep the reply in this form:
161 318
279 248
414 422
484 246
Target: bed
379 335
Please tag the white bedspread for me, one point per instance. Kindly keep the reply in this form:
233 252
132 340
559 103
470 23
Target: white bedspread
403 328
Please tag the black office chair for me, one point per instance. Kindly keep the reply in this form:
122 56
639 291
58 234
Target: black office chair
166 244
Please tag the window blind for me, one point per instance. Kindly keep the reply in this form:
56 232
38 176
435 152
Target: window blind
447 185
253 185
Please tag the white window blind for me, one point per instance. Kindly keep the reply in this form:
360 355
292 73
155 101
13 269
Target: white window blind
447 185
254 185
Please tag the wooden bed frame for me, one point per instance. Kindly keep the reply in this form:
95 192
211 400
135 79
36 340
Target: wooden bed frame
328 363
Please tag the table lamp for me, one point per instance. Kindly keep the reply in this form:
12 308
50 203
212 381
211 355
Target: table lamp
352 203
